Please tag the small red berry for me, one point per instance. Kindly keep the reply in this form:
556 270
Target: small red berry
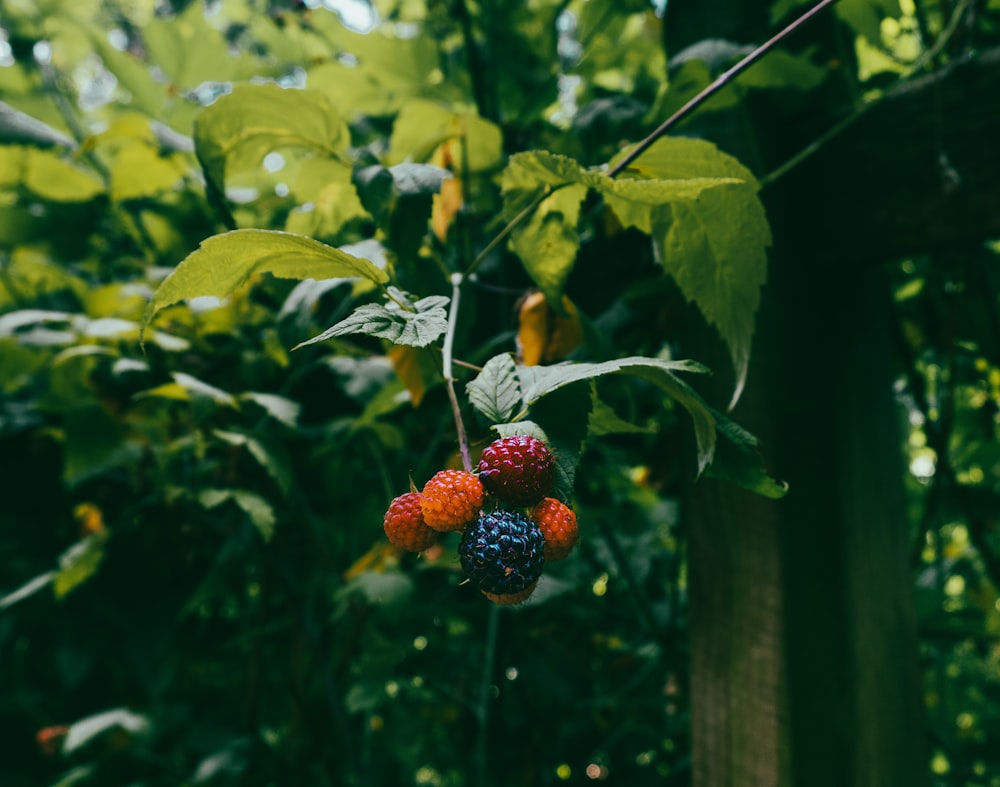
451 499
518 469
404 524
558 524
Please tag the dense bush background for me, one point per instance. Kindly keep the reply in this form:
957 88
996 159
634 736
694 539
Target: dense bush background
196 588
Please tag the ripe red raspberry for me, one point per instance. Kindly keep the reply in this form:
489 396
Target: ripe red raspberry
451 499
558 524
404 524
518 469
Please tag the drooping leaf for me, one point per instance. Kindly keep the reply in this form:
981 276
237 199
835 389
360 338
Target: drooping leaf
416 328
496 391
538 381
738 460
713 246
224 262
253 120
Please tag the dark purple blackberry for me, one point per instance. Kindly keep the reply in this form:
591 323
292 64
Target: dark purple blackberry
502 552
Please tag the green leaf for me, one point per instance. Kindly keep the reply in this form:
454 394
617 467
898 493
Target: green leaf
264 456
139 171
257 509
714 246
738 460
496 391
416 328
52 178
538 381
604 420
224 262
238 130
548 241
79 563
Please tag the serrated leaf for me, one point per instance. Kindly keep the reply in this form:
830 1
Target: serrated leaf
416 328
547 242
496 390
89 728
538 381
713 246
79 563
738 460
224 262
244 126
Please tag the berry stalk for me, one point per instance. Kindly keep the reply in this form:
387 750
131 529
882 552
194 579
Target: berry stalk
447 362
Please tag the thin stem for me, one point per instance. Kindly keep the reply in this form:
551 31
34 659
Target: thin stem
483 708
527 211
926 58
447 362
721 81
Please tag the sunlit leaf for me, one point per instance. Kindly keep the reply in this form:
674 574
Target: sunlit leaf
224 262
239 129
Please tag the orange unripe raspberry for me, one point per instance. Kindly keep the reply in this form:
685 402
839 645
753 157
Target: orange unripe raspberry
558 524
404 524
451 499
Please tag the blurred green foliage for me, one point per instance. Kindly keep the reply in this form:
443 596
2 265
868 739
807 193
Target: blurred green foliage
196 587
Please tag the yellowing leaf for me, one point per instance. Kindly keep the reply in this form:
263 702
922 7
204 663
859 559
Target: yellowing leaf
416 368
544 335
445 206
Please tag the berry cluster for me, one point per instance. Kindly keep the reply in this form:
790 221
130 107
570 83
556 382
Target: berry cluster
502 549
